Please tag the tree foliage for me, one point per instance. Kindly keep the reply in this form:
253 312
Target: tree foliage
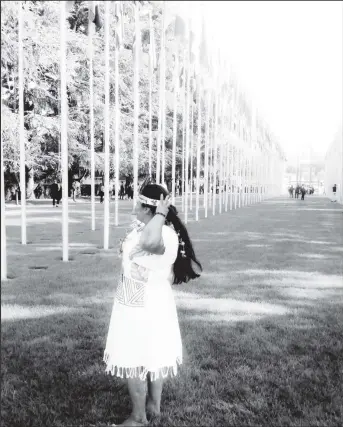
42 58
42 83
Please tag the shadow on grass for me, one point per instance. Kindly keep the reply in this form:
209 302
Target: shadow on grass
52 373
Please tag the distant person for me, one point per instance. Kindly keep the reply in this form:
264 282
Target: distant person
291 191
59 194
17 194
334 191
55 193
73 190
130 191
102 193
38 191
122 191
297 191
177 192
303 192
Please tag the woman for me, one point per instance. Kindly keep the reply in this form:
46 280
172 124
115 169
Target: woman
144 342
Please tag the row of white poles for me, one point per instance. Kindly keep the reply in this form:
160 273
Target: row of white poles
227 157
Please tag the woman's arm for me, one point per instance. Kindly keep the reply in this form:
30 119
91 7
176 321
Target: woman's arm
157 261
151 240
151 237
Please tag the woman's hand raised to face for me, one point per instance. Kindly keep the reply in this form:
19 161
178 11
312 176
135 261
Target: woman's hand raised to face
163 206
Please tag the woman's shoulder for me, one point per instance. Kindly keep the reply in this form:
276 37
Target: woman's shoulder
169 233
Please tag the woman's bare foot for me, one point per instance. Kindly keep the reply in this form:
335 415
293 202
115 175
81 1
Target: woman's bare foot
132 422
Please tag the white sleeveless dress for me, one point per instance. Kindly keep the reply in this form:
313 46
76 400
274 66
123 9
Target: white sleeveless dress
144 334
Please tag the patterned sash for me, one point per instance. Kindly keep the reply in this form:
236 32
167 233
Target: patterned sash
130 292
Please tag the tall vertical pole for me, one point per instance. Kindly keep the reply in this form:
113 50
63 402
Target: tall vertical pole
175 127
214 155
136 103
191 152
183 130
237 148
107 126
221 158
260 175
3 209
188 92
21 122
117 135
207 137
91 117
198 153
163 138
161 100
231 175
151 73
250 175
253 168
239 170
64 133
227 166
211 139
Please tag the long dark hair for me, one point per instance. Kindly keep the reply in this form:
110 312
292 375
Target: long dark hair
183 266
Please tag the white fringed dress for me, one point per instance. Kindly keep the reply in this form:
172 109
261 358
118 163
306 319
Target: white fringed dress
144 334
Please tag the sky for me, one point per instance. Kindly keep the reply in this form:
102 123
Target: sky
288 56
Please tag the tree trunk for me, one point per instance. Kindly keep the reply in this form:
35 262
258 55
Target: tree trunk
30 186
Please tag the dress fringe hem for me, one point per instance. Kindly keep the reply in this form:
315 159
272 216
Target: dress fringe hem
141 371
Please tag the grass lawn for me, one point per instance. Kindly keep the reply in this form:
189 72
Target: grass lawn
262 328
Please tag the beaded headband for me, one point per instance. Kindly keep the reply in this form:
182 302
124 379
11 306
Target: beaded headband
147 201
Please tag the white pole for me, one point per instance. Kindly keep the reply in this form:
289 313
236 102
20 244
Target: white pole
176 90
183 130
64 133
136 104
3 210
256 175
191 152
243 172
21 122
236 172
211 130
214 155
117 135
161 100
250 171
221 158
207 137
151 73
227 168
163 139
107 126
259 176
231 175
205 144
187 89
198 153
241 155
91 118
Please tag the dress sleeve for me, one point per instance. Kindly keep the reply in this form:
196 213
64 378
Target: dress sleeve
160 262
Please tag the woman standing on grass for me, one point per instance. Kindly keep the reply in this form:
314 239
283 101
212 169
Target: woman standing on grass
144 342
